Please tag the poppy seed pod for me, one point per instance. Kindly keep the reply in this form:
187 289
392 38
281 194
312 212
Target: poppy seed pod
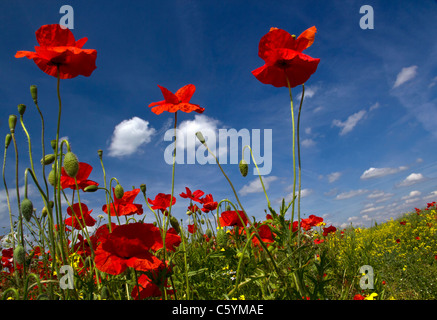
19 254
118 191
8 140
27 209
21 109
100 153
244 167
48 159
34 93
71 164
12 122
143 188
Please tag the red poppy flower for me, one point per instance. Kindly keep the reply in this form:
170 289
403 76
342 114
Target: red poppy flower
150 284
7 260
311 221
195 196
125 205
318 241
328 230
208 203
398 240
265 234
162 202
402 223
176 101
283 57
81 177
58 48
232 218
193 208
128 246
192 228
358 297
76 220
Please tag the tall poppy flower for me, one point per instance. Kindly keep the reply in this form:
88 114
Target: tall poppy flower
124 206
232 218
283 57
330 229
75 220
208 203
128 246
195 196
265 234
176 101
81 177
162 202
58 49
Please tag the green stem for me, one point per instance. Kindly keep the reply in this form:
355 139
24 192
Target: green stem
299 163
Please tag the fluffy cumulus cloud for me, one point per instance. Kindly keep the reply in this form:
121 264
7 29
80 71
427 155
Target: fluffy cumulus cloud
380 172
129 136
350 194
411 179
405 75
255 185
334 176
349 124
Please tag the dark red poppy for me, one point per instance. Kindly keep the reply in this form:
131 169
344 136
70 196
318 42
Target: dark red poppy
162 202
58 48
193 208
79 217
359 297
150 284
328 230
232 218
310 222
283 57
125 206
128 246
195 196
265 234
403 223
176 101
81 177
208 203
7 260
192 228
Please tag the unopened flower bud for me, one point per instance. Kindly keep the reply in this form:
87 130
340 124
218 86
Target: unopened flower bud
189 212
71 164
244 167
100 153
27 209
12 122
143 188
208 233
53 144
199 136
34 93
118 191
175 224
48 159
221 238
21 109
8 140
19 254
91 188
51 177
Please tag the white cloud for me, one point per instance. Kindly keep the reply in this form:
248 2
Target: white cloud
255 185
334 176
380 172
405 75
371 209
129 135
308 143
412 179
303 193
310 92
374 106
412 194
348 125
350 194
431 196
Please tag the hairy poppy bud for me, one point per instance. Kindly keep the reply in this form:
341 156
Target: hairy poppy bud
104 294
91 188
48 159
51 177
221 238
12 122
27 209
21 109
71 164
34 93
143 188
208 233
8 140
19 254
244 167
175 224
199 136
118 191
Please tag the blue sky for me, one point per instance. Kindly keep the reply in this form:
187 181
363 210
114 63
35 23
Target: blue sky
368 121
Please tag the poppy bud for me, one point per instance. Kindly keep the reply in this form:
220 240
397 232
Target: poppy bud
105 293
100 153
208 233
118 191
91 188
34 93
45 210
21 109
202 221
12 122
221 238
143 188
71 164
19 254
48 159
51 177
8 140
53 144
175 224
199 136
27 209
189 212
244 167
43 296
